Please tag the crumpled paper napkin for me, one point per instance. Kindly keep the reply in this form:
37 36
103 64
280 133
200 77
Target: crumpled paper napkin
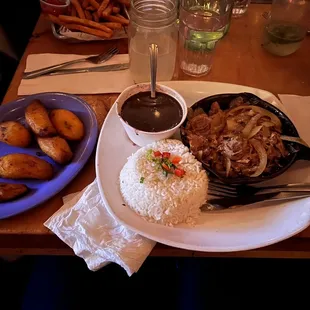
82 36
86 226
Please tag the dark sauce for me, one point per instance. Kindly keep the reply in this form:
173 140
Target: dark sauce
144 113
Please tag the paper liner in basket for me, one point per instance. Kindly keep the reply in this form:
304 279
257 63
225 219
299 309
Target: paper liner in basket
81 36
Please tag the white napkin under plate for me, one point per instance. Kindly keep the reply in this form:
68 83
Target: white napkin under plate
298 108
80 83
86 226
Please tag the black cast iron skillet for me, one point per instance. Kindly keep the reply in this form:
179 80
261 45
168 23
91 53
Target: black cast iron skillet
296 151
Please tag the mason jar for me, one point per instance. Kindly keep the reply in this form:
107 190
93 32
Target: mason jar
152 21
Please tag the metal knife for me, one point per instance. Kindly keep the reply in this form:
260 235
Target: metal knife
116 67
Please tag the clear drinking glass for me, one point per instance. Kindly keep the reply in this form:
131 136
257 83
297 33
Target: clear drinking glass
202 24
240 7
152 21
286 26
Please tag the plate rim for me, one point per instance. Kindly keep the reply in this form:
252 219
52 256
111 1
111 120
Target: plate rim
86 154
215 249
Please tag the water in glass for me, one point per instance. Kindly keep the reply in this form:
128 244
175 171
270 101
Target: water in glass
202 24
152 22
286 26
140 59
282 38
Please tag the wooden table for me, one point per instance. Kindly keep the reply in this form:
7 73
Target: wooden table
239 59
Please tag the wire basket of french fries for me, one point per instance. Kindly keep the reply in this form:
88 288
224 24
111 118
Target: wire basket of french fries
92 20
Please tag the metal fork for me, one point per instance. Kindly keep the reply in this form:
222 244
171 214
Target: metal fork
223 196
97 59
229 191
218 204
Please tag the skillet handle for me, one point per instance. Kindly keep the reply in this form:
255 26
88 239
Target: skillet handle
303 153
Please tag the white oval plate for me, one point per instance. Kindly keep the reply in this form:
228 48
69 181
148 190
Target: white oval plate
231 230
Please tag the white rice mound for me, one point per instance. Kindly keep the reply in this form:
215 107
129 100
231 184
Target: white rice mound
165 200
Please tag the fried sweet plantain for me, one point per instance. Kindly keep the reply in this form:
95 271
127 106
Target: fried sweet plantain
57 148
67 124
24 166
11 191
38 119
14 133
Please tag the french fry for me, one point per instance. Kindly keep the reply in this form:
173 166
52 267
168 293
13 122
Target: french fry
117 19
73 11
125 2
116 9
107 11
120 16
78 8
90 8
88 15
126 21
55 20
95 32
103 6
85 4
94 3
96 18
84 22
113 25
